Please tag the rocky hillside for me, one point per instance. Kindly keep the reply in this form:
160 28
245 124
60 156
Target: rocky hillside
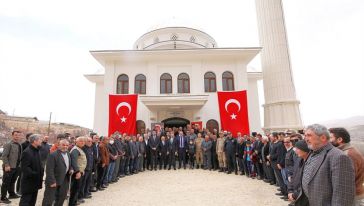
32 124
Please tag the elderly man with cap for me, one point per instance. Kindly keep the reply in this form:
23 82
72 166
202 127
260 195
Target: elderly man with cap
294 186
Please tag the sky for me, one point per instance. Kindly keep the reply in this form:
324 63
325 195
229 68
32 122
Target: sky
44 49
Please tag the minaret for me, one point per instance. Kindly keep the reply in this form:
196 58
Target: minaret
281 108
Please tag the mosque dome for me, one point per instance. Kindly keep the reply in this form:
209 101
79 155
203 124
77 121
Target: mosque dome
172 35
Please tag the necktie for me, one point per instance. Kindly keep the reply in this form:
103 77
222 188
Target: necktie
181 142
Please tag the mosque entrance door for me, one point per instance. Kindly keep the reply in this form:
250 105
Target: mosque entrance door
176 122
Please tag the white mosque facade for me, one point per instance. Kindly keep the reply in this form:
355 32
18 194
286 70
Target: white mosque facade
177 71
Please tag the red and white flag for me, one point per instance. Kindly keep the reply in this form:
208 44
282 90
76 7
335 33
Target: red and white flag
233 108
122 113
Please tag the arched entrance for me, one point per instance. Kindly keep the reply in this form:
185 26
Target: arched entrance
176 122
212 124
140 126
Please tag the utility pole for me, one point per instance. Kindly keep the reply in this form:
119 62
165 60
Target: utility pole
49 123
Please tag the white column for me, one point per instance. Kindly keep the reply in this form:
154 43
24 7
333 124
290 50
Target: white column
281 108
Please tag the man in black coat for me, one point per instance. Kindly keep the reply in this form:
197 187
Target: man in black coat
277 155
230 152
58 172
214 161
258 145
147 157
44 151
32 172
96 158
172 149
153 144
86 179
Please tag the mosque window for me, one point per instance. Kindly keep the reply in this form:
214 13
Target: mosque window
183 83
192 38
122 84
166 83
227 81
210 82
174 37
140 84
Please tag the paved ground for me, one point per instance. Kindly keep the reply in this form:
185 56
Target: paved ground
184 187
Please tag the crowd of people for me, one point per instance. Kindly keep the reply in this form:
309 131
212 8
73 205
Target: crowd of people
317 168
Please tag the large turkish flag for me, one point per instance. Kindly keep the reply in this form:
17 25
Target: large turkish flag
233 108
122 113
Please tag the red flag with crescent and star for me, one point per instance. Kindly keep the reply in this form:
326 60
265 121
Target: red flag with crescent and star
122 113
233 108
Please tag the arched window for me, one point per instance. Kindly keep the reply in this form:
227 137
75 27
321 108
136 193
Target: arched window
140 84
183 83
166 83
210 82
122 84
227 81
211 125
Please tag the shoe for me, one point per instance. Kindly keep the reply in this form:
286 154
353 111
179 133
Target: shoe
279 194
5 200
236 173
103 186
284 198
174 168
14 196
272 183
88 196
100 188
228 172
93 190
279 189
81 201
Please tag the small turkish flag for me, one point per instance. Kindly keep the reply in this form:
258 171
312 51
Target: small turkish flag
122 113
233 108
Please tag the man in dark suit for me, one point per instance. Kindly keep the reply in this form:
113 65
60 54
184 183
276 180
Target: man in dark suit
214 161
182 149
147 157
258 145
172 148
163 152
153 144
58 172
32 172
96 158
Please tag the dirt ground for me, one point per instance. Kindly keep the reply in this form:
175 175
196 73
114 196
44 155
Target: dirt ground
183 187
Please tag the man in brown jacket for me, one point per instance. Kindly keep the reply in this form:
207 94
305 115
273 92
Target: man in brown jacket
198 142
104 163
220 152
340 138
